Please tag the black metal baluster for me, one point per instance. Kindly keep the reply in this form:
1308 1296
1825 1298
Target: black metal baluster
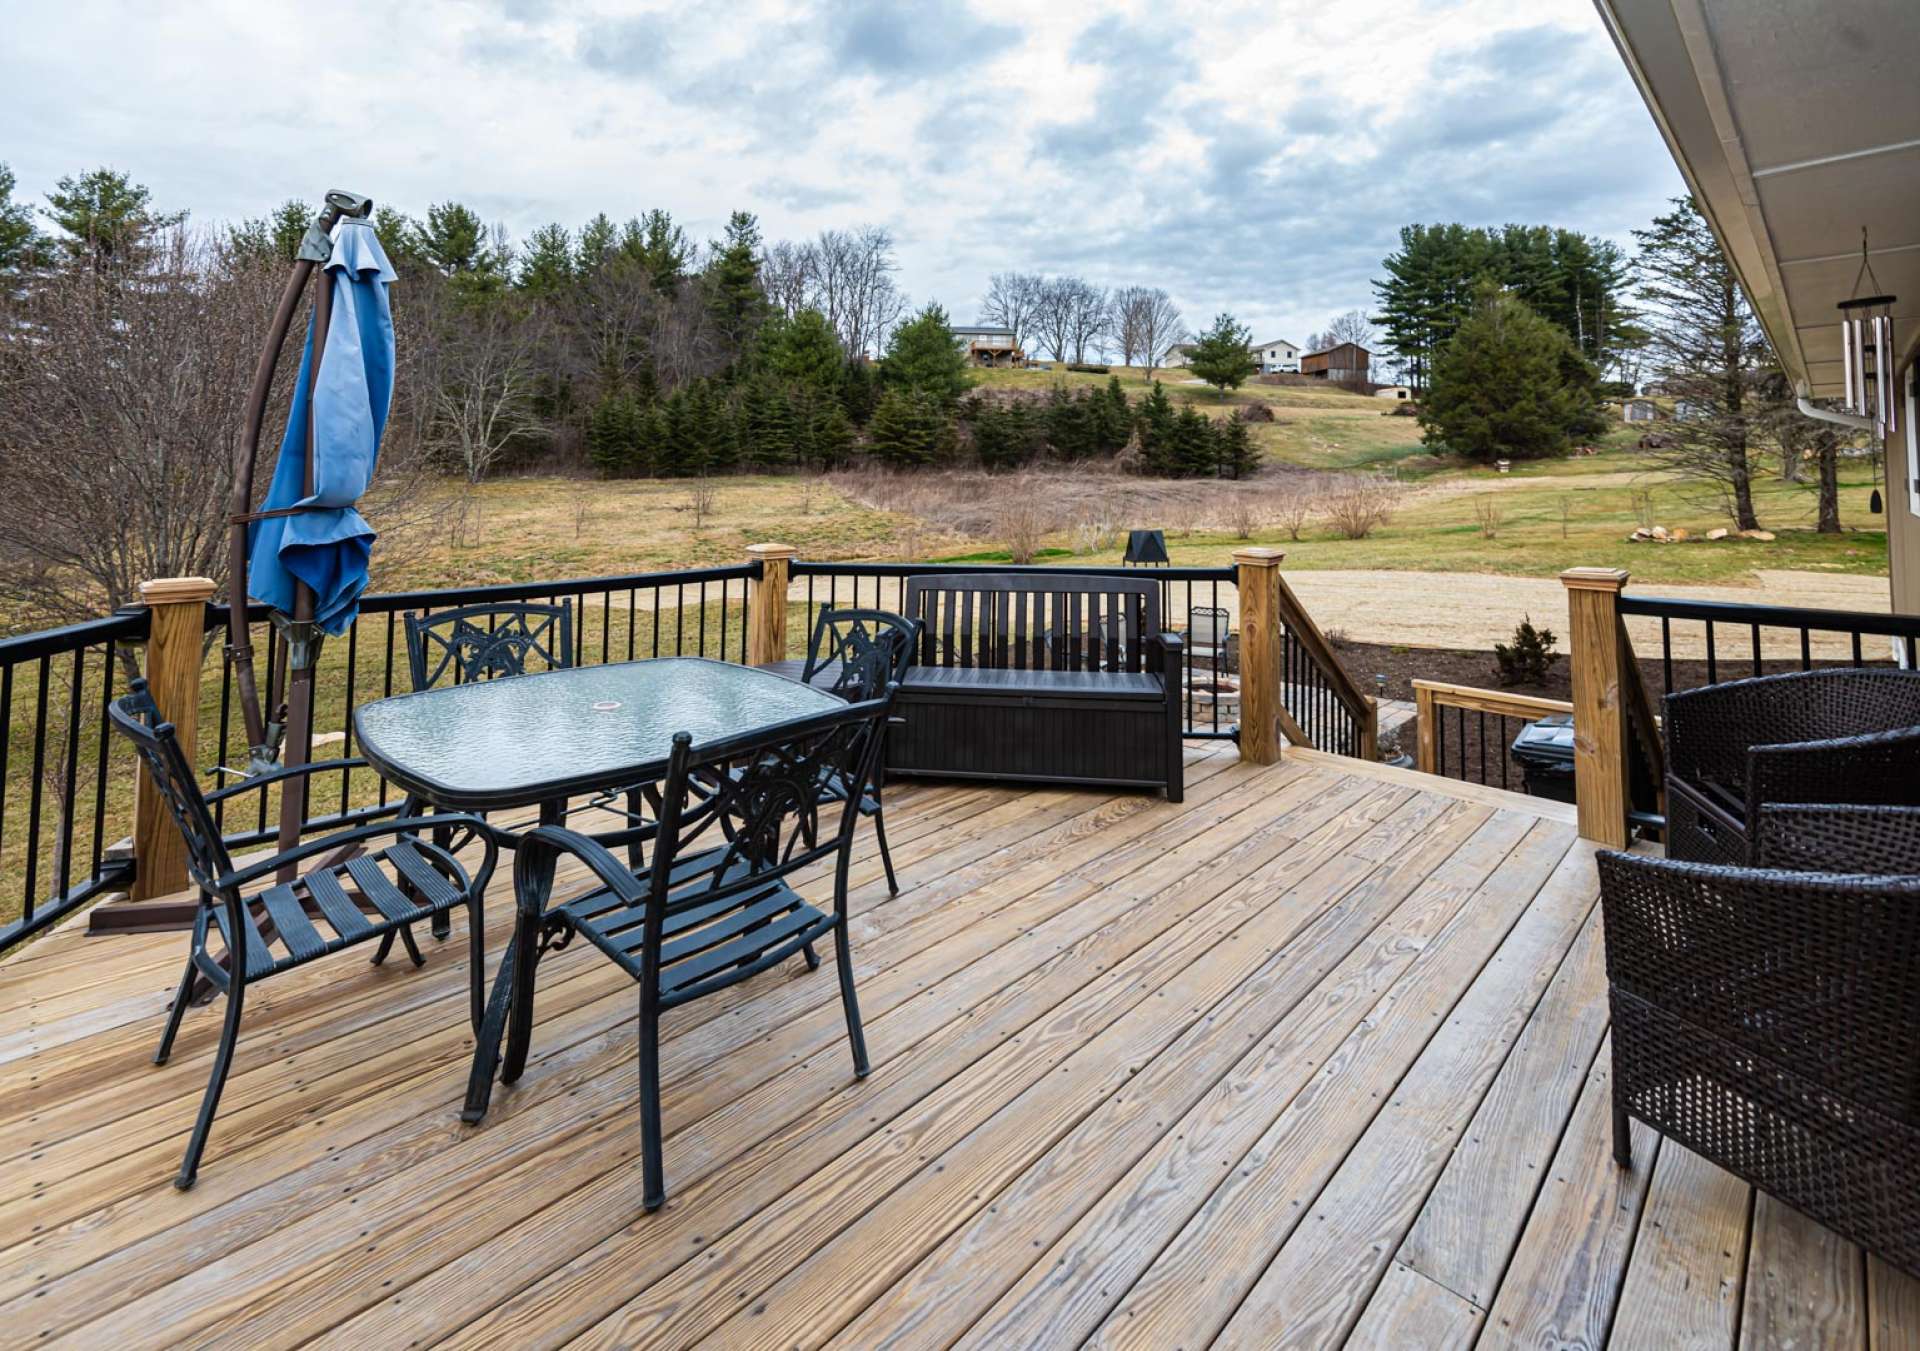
70 780
703 619
1806 648
1666 655
386 687
346 714
109 655
1713 665
222 742
33 795
1856 648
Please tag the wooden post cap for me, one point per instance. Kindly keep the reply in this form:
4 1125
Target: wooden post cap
766 551
1594 579
1257 557
176 590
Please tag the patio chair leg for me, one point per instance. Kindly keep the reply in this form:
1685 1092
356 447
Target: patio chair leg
636 850
843 956
181 998
216 1081
651 1143
886 859
442 919
1622 1137
476 964
486 1044
813 958
413 949
380 953
524 958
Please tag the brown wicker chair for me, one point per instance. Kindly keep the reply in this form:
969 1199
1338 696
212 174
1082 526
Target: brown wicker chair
1804 837
1841 735
1770 1020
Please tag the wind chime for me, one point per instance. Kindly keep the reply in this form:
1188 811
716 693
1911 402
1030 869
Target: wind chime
1867 356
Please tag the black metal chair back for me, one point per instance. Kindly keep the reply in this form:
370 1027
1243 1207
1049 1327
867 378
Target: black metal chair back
863 650
484 642
137 717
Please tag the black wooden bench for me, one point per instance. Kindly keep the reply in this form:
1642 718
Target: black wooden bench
1062 678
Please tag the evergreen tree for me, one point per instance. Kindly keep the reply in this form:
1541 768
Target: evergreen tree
1237 456
802 351
1068 429
614 436
1222 356
909 430
546 264
21 247
1153 420
923 358
456 243
1191 452
660 248
831 434
860 392
1500 387
106 219
733 281
1112 419
274 237
599 238
399 236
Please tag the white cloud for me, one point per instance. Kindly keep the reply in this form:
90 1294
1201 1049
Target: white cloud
1245 156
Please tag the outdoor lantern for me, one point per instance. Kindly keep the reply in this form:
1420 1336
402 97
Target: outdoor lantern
1146 546
1866 349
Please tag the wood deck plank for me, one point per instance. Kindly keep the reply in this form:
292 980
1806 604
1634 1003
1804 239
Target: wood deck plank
1113 1038
1684 1285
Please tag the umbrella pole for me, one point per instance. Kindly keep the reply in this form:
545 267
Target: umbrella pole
303 638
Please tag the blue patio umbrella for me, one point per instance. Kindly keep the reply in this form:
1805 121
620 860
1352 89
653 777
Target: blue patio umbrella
319 538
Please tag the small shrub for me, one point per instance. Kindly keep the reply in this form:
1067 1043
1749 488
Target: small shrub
1486 510
1358 504
1293 508
1020 523
1528 658
1245 513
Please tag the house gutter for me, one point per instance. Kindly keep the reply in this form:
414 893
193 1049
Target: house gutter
1847 420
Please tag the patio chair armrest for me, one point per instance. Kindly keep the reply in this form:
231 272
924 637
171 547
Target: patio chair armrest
541 847
253 783
1172 649
405 825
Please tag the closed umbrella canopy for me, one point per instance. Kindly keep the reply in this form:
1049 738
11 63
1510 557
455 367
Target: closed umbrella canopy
321 540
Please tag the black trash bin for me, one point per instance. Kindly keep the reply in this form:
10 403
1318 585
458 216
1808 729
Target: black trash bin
1544 750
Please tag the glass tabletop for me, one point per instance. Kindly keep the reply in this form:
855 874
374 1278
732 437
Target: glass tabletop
536 738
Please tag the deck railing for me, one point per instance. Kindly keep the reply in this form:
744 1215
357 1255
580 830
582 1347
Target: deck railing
1467 734
74 827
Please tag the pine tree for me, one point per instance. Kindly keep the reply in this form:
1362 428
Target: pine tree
1191 452
1153 420
1501 388
21 247
660 247
733 279
274 237
909 430
923 357
803 350
613 436
832 435
106 218
546 265
1237 456
1222 355
598 239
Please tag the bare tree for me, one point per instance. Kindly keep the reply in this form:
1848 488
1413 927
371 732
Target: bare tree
1013 301
1350 327
1157 325
1053 315
789 273
483 402
854 286
1087 318
121 402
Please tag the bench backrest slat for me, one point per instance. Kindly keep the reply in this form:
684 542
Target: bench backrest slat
1064 621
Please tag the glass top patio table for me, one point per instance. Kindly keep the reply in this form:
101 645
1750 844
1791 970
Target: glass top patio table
542 738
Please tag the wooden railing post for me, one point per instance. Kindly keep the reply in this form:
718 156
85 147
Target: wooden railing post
1260 694
175 643
767 603
1600 734
1426 756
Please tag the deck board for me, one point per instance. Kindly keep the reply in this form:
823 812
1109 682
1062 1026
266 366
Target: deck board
1317 1056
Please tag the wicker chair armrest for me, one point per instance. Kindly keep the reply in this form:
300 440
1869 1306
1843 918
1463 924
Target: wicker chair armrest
1881 768
1818 837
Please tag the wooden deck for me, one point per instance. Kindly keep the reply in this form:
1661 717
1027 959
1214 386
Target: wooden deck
1317 1057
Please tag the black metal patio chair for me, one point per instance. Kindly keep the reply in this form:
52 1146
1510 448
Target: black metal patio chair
1769 1019
1836 735
738 819
343 897
855 654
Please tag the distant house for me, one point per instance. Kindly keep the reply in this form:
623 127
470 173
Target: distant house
1276 357
1640 410
1346 361
1394 392
1178 355
1657 389
988 346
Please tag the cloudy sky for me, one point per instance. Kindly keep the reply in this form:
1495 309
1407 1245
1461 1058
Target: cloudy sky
1257 158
